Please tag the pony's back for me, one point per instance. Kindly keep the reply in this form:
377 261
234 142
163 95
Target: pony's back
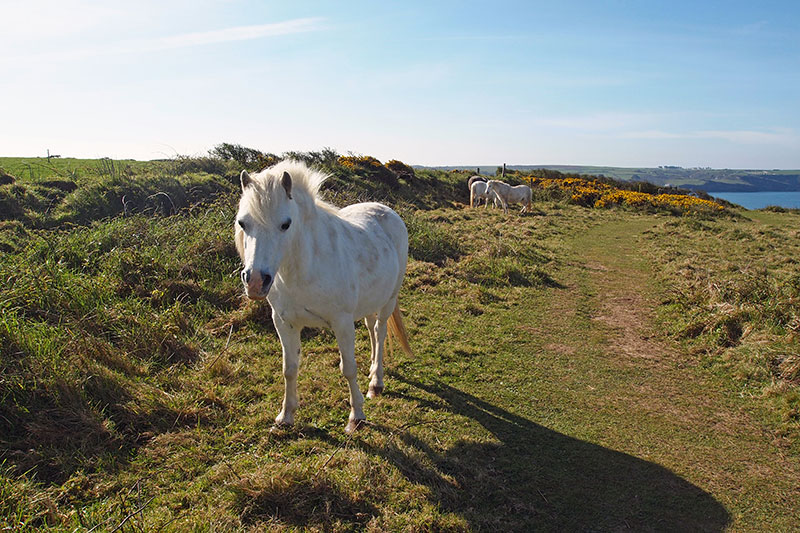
473 179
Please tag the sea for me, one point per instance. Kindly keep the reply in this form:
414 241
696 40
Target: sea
761 199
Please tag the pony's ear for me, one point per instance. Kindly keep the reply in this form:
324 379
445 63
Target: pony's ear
245 178
286 182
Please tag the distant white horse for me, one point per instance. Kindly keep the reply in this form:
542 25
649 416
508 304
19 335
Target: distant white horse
473 179
479 192
319 266
511 195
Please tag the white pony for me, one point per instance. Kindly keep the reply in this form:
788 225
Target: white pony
510 195
473 179
478 191
319 266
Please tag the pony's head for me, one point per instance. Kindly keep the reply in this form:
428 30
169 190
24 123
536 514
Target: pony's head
265 224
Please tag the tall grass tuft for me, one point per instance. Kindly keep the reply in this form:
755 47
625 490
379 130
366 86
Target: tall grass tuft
429 242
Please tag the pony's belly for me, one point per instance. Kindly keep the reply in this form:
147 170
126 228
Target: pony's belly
324 307
304 317
372 306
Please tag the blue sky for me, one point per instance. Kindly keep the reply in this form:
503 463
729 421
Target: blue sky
440 83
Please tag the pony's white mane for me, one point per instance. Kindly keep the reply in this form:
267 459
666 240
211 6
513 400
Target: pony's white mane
306 183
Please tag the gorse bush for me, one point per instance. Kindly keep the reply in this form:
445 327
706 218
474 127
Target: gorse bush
400 168
371 168
599 194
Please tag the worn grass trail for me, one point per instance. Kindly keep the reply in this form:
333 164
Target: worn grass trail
644 397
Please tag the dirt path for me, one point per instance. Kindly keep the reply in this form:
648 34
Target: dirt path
670 411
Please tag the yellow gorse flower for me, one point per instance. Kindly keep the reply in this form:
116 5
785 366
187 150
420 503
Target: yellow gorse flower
361 161
593 193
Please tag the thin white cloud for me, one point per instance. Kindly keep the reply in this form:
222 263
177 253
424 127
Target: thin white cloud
751 137
654 134
598 122
781 136
238 33
225 35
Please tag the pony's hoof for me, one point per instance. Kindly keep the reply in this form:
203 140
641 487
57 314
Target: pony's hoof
284 420
354 425
280 426
374 390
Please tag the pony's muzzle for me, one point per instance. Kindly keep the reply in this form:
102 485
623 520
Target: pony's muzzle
256 286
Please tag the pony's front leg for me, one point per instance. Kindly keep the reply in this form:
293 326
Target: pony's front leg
290 344
346 338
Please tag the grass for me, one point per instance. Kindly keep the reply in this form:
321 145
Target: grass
546 391
43 195
736 305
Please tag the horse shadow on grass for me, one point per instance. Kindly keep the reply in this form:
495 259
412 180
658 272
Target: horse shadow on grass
536 479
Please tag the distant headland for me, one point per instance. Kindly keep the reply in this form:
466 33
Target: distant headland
706 179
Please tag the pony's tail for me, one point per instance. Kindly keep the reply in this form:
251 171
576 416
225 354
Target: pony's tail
471 193
398 329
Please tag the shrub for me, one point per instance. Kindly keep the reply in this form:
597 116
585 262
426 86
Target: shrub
400 168
601 193
371 168
245 157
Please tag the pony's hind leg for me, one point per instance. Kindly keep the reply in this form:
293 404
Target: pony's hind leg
346 338
376 370
370 321
290 344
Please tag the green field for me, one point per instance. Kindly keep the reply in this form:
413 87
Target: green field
575 369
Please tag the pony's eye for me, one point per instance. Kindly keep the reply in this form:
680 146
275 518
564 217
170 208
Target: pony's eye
286 225
241 224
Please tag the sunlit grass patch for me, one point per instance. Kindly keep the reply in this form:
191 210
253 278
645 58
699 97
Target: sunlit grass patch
735 300
429 241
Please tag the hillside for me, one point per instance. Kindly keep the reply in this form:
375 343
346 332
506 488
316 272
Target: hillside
613 360
704 179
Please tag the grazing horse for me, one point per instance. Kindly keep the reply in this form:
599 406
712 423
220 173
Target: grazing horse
510 195
479 192
473 179
320 266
